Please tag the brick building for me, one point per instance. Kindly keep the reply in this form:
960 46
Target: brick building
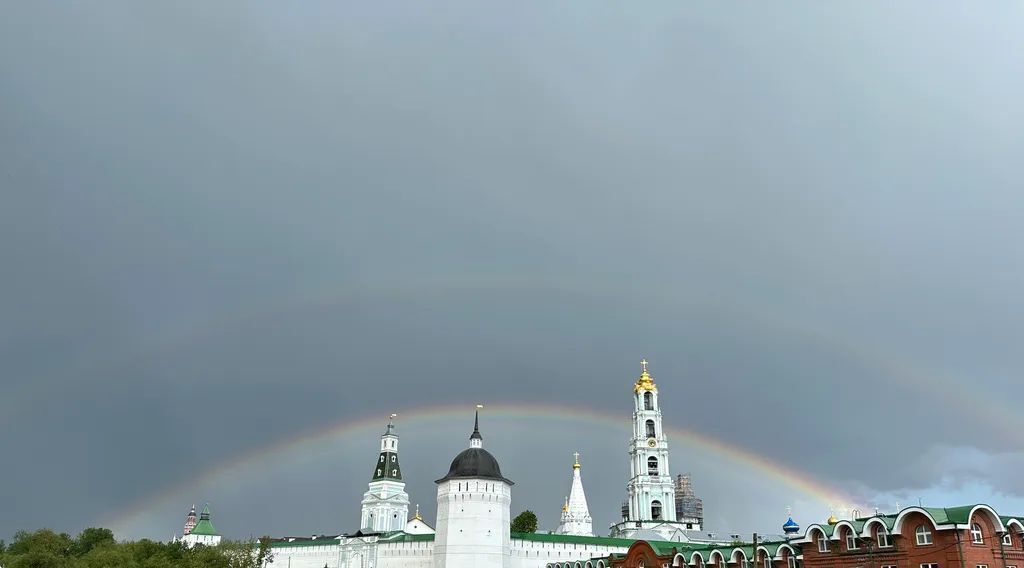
972 536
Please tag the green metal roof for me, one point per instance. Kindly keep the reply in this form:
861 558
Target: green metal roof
599 540
325 541
204 527
400 536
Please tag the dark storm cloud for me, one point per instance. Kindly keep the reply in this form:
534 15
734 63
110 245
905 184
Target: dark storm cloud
225 224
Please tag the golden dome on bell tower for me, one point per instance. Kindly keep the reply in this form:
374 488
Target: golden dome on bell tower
646 381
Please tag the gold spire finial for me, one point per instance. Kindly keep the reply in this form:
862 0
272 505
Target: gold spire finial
566 506
577 456
646 381
417 516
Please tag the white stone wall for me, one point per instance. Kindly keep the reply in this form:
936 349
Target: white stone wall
473 517
532 554
307 556
405 555
204 539
358 553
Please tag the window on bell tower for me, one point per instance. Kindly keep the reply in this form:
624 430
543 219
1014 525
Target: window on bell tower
648 401
650 429
652 466
656 510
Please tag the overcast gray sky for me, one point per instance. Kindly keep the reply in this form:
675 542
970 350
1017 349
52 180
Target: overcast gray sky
226 225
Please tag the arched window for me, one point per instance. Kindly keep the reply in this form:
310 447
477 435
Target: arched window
822 542
851 540
652 466
923 535
656 509
650 429
976 535
648 400
767 562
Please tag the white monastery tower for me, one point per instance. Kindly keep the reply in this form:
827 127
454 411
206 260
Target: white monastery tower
651 500
473 511
386 504
575 513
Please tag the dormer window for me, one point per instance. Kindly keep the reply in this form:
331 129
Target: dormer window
884 540
822 543
851 540
976 535
1007 540
767 562
923 535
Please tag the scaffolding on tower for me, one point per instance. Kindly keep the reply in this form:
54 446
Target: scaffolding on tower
688 505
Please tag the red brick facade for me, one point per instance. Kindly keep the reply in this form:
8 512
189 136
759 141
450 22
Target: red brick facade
963 537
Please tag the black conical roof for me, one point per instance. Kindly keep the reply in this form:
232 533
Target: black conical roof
475 462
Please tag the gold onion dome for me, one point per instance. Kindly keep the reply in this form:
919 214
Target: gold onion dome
646 381
832 520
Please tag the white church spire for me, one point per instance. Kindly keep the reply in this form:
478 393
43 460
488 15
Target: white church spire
575 513
385 505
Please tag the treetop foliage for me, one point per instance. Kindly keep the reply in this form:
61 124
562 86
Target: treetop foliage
525 522
97 548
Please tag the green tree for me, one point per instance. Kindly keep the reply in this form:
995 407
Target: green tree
248 553
525 522
91 538
42 541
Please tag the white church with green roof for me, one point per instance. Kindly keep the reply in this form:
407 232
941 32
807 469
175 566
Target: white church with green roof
201 531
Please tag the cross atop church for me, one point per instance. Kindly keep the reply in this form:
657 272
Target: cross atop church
643 364
577 456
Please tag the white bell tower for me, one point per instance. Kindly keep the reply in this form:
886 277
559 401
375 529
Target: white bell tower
651 496
386 504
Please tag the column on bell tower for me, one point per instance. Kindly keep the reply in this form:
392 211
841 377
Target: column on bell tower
385 505
651 490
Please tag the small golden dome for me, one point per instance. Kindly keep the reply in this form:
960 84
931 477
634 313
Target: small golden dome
577 464
832 520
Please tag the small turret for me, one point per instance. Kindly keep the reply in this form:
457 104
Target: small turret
475 439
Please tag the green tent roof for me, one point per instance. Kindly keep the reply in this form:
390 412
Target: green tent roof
204 526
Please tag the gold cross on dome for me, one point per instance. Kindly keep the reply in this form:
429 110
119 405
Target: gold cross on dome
643 364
